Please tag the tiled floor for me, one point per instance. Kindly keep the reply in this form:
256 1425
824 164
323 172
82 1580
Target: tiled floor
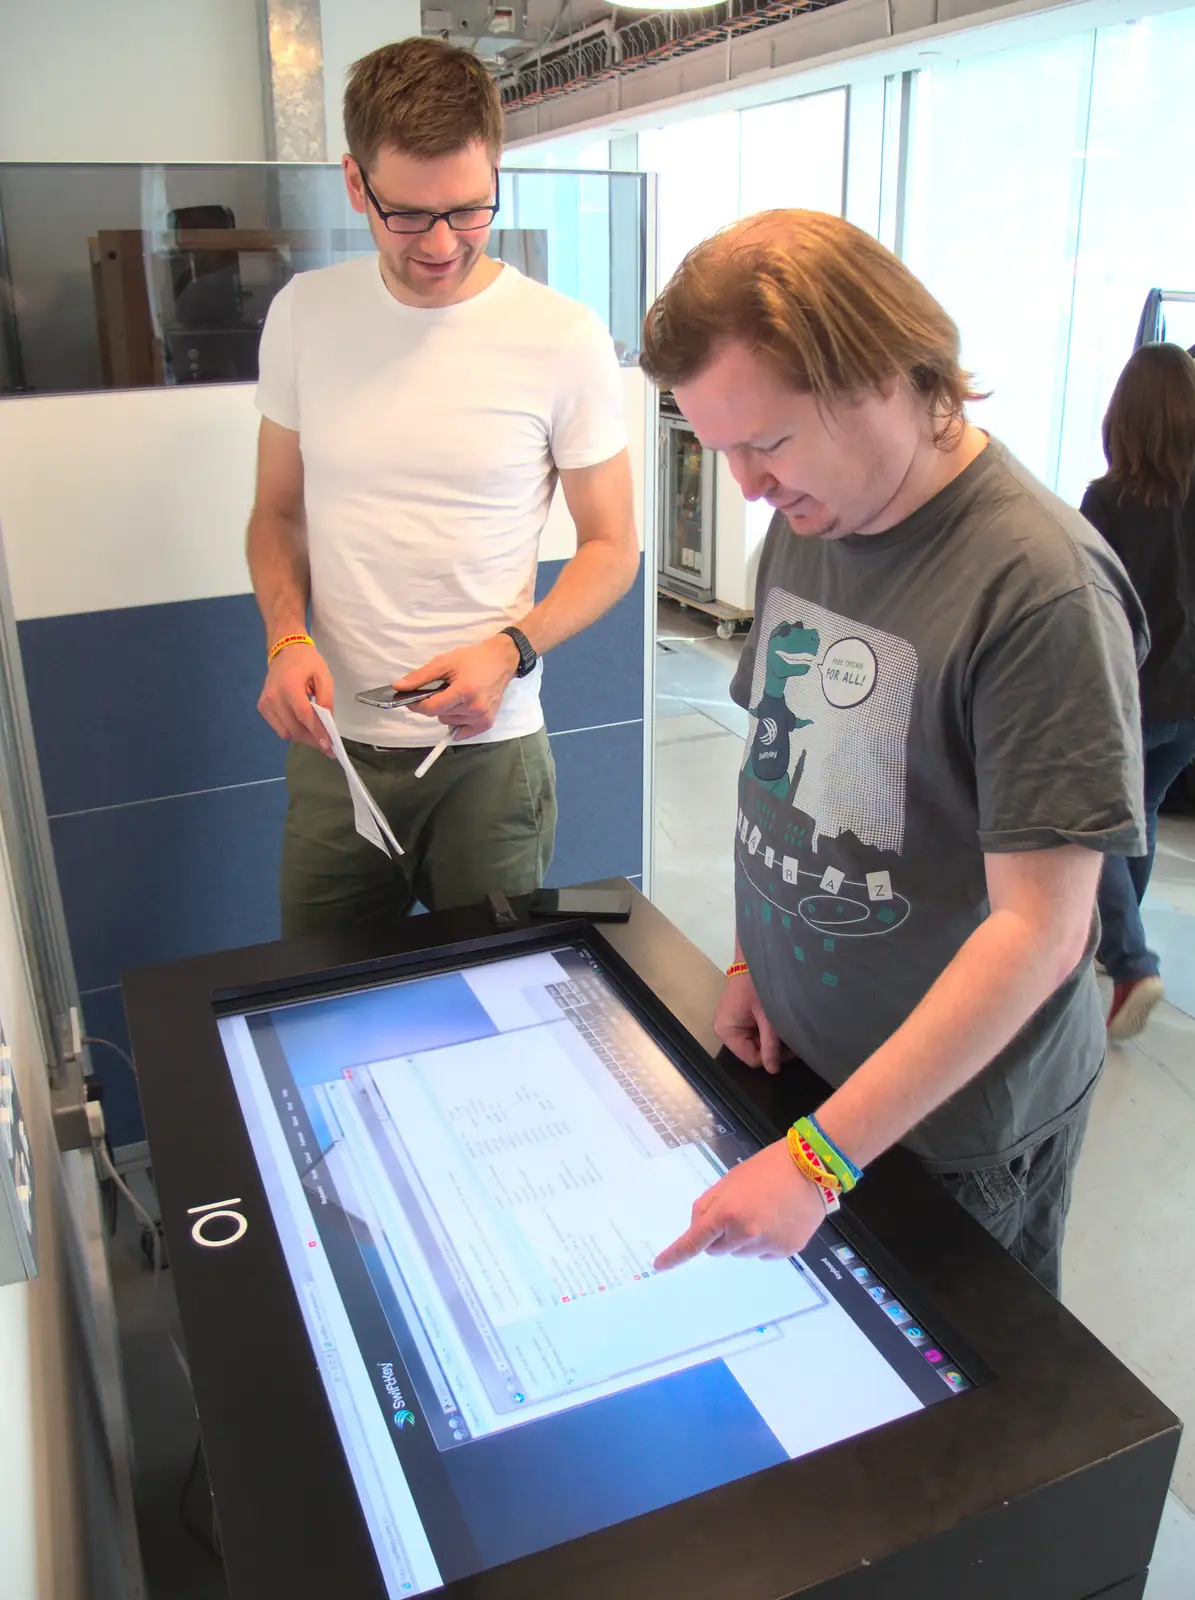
1130 1255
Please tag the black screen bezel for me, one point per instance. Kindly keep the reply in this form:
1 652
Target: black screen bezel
697 1069
271 1442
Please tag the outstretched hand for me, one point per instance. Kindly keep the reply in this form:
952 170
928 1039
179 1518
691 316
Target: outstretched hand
763 1207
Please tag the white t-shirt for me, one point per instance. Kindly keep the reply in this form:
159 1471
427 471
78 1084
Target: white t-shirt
431 441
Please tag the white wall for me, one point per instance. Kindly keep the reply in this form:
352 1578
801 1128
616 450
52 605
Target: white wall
148 506
351 29
106 526
41 1555
131 80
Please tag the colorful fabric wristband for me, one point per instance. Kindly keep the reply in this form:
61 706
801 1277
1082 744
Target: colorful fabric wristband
280 644
834 1150
810 1166
737 969
842 1172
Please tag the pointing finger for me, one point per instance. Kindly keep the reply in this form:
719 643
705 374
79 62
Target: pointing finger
691 1244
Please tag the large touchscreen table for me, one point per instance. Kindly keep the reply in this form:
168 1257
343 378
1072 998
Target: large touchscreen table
471 1173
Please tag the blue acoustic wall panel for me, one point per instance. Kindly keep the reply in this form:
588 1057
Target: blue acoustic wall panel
596 679
599 782
166 797
135 704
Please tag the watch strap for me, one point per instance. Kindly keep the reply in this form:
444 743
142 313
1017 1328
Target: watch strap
527 655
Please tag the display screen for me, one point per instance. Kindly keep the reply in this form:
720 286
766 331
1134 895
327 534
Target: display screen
471 1174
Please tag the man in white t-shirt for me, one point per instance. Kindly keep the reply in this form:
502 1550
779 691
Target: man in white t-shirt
418 408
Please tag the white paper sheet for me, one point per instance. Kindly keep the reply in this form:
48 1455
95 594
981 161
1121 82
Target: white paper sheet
367 816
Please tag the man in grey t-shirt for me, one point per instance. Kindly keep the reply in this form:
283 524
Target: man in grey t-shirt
942 681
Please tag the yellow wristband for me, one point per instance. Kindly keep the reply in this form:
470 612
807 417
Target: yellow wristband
810 1165
280 644
822 1181
737 970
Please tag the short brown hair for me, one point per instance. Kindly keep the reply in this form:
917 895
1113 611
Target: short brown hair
1149 428
424 97
832 312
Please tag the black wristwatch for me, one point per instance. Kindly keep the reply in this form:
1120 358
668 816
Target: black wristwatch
527 656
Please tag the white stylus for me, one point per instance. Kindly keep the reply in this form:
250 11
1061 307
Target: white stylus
434 754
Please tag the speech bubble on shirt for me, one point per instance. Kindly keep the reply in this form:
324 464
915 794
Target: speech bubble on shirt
848 671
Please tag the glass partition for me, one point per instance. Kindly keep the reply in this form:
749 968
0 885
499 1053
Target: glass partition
590 228
130 277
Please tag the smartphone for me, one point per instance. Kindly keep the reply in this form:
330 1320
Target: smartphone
389 699
599 905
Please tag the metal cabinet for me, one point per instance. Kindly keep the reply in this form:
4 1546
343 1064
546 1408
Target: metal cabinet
686 561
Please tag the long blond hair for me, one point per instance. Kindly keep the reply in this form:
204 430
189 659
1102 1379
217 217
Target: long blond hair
832 312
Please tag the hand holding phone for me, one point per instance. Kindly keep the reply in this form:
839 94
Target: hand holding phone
387 698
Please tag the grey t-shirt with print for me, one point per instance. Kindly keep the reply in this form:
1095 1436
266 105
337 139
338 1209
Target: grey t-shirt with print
964 683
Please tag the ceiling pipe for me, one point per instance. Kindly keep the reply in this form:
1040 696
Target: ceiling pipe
584 58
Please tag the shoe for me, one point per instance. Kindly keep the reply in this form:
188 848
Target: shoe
1132 1004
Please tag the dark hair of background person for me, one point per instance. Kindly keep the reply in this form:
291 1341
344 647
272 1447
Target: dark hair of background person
830 310
1149 427
425 98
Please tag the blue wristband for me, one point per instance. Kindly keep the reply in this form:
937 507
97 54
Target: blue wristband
855 1172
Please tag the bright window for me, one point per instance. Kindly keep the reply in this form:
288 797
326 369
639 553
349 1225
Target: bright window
793 154
567 155
992 193
698 164
1137 229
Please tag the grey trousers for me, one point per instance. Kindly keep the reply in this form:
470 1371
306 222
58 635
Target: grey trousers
1023 1203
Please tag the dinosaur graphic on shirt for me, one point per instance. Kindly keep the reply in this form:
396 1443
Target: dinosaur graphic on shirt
792 650
821 824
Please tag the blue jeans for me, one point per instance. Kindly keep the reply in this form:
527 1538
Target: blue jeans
1169 747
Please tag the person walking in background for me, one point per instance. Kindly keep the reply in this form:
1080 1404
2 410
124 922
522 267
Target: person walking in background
1144 506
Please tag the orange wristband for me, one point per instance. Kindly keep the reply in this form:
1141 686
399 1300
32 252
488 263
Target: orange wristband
737 970
280 644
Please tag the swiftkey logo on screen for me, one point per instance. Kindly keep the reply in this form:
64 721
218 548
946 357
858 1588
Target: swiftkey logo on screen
403 1418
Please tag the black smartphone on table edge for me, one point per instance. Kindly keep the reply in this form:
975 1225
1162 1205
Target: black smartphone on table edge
599 905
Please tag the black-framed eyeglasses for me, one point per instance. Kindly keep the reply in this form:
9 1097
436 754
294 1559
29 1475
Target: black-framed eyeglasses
463 219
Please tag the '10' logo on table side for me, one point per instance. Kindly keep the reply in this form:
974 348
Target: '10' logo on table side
217 1210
